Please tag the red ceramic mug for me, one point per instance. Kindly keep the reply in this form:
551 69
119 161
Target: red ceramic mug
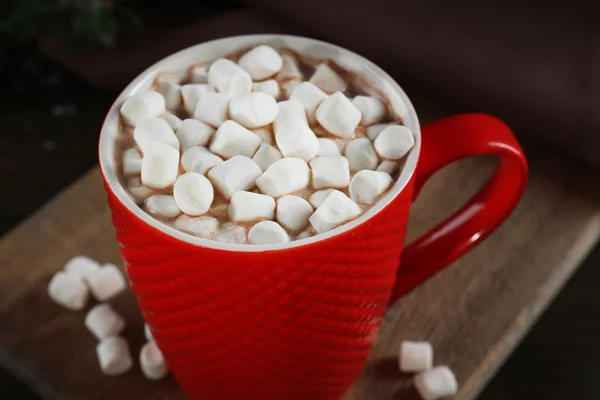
297 321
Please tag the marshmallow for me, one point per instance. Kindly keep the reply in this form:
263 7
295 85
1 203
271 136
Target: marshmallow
173 120
265 156
361 155
248 206
104 322
148 332
171 91
328 147
317 198
436 383
142 106
199 159
336 210
193 92
152 130
162 205
372 109
193 193
289 69
194 133
338 115
229 78
261 62
366 185
267 232
160 165
253 110
231 233
289 86
137 190
374 130
106 282
232 139
199 74
292 133
388 166
293 212
394 142
132 162
212 108
113 355
237 173
152 361
265 134
68 290
328 80
415 356
204 227
80 266
283 177
303 235
270 87
330 172
310 97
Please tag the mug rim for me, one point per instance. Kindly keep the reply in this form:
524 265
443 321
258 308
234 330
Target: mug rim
112 182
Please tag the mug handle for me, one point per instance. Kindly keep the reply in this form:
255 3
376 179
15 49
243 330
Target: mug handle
444 142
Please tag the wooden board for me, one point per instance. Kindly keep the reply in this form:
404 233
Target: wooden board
474 312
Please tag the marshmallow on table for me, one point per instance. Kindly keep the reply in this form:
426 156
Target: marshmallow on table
152 130
366 185
289 86
106 282
199 159
148 332
212 108
284 176
328 147
292 133
338 115
253 110
113 355
80 266
104 322
265 156
436 383
289 69
162 205
317 198
388 166
192 93
160 165
310 97
137 190
394 142
152 361
415 356
231 233
248 206
265 134
270 87
192 132
232 139
374 130
361 155
142 106
261 62
267 232
229 78
171 91
237 173
68 290
193 193
330 172
328 80
173 120
204 227
293 212
199 74
372 109
333 212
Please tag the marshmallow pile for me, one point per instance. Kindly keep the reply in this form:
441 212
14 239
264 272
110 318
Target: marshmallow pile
261 154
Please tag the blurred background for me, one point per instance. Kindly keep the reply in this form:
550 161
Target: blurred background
535 65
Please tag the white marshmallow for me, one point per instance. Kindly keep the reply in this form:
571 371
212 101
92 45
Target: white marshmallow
171 91
361 155
152 361
173 120
253 110
415 356
261 62
148 332
289 86
113 355
212 108
248 206
231 233
310 97
199 159
193 193
80 266
199 74
303 235
270 87
229 78
388 166
232 139
330 172
132 162
374 130
328 80
284 176
336 210
104 322
267 232
142 106
327 147
317 198
137 190
192 132
366 185
68 290
293 212
160 165
106 282
192 93
152 130
204 227
292 133
162 205
394 142
338 115
237 173
436 383
265 156
372 109
289 69
265 134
